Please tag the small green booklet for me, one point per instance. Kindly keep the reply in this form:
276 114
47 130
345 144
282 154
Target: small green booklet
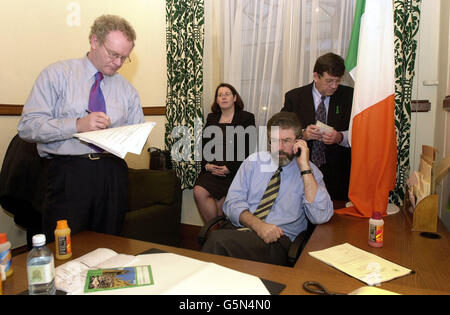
118 278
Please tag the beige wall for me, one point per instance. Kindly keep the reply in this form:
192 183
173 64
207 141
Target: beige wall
431 82
423 123
37 33
442 130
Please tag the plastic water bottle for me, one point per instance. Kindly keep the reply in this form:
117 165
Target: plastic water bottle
40 268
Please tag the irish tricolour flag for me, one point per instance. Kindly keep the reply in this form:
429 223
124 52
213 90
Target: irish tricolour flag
370 62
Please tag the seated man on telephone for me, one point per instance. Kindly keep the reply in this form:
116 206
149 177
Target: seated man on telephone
272 197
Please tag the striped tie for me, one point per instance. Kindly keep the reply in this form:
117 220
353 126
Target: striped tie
268 199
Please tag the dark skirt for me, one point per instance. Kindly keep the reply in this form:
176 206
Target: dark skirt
217 186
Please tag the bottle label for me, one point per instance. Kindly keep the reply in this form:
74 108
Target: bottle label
64 245
376 233
5 259
41 274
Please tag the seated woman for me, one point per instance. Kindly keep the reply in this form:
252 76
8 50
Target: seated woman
217 172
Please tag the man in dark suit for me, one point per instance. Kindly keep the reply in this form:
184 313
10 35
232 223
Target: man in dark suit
328 101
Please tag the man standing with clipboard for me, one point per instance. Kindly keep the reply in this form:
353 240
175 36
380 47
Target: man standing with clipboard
86 186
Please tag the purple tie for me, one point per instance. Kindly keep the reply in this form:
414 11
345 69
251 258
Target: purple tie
97 101
318 147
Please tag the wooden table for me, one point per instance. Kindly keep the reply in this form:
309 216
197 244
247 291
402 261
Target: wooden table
85 242
430 258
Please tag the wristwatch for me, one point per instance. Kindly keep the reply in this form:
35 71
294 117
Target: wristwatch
306 172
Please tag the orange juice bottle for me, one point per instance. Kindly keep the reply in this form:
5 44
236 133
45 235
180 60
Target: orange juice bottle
62 240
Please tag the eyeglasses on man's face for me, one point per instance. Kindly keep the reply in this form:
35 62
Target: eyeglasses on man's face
330 80
114 56
287 142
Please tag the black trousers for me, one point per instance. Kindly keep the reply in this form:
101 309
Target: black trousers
229 241
89 194
337 181
336 175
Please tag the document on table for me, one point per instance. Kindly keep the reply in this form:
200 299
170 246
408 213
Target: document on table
118 278
360 264
120 140
170 274
180 275
71 276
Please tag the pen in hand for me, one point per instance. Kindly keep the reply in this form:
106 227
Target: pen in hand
105 124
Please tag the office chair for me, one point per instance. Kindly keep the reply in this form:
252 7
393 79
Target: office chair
294 251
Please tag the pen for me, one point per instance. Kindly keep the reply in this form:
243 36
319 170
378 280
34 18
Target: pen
88 111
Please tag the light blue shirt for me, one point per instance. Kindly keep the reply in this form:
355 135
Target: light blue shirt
291 208
317 99
60 96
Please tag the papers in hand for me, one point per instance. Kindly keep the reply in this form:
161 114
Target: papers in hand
360 264
121 140
323 127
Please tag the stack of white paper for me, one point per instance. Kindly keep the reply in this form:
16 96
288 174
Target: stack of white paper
172 274
121 140
419 183
180 275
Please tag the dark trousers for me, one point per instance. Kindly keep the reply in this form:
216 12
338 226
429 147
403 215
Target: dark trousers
89 194
229 241
337 180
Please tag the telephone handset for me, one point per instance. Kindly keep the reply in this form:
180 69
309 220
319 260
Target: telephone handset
299 151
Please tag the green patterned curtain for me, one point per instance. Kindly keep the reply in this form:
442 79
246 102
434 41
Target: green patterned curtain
406 24
184 108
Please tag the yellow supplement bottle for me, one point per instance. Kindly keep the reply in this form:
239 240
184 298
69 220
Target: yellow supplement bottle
5 254
63 245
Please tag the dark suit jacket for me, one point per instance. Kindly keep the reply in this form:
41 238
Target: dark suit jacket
23 184
336 171
240 118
